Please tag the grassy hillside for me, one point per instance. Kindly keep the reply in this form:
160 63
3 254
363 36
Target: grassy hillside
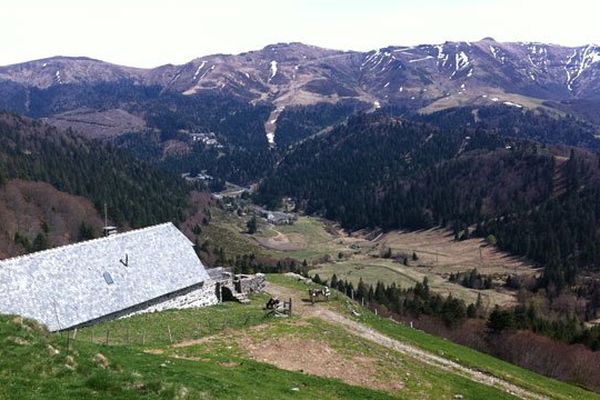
332 350
465 356
36 365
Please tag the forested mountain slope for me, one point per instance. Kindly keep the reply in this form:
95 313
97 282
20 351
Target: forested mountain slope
136 193
377 171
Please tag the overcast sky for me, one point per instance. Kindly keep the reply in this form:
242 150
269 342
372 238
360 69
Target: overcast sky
148 33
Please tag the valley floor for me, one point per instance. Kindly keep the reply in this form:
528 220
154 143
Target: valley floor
330 250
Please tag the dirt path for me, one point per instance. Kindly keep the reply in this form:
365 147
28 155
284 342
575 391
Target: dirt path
305 309
283 242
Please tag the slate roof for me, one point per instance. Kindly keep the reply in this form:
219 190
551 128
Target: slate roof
66 286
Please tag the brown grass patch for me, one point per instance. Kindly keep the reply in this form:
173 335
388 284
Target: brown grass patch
318 358
438 251
229 364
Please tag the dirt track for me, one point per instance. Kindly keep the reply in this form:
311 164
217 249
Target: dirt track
282 242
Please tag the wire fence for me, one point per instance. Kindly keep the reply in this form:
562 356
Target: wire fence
162 330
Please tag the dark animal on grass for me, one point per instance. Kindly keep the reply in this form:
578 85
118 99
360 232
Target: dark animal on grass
322 292
273 303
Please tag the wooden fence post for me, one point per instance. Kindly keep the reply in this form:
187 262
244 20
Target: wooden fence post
107 336
170 336
290 306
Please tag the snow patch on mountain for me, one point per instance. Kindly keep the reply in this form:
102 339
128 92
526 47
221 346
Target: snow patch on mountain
579 62
497 54
271 125
511 104
461 61
440 49
420 59
198 70
273 69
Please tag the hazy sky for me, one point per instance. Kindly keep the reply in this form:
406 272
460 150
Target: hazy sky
148 33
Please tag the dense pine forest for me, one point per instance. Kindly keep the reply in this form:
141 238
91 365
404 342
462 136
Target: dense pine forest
536 125
136 193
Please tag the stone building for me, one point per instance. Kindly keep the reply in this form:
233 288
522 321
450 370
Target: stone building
149 269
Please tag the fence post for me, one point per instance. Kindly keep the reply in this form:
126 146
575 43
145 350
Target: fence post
143 338
107 336
170 336
92 340
290 306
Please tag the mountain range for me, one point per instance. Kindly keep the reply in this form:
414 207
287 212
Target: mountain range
424 77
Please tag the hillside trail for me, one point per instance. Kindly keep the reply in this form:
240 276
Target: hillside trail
305 309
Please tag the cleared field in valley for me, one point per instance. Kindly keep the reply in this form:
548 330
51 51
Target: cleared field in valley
441 254
321 243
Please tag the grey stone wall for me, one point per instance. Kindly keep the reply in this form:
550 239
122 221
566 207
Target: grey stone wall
250 283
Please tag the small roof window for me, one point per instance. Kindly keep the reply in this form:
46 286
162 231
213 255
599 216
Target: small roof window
108 278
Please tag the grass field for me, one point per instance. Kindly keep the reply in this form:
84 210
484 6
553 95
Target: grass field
438 256
232 351
441 254
313 240
306 239
35 365
542 385
388 271
467 98
172 326
320 243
